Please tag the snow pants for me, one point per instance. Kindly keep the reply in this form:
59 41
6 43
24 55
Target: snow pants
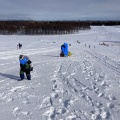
22 74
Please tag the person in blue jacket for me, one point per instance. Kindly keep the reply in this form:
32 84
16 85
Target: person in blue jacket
25 67
64 50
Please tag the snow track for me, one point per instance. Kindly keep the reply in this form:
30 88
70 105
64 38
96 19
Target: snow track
107 62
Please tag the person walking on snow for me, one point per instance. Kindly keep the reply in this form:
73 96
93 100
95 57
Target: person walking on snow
25 67
19 46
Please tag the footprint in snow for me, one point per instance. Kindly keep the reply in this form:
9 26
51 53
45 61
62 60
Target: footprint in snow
54 80
100 77
55 71
16 111
111 97
95 89
100 94
90 73
25 113
54 87
47 102
73 73
86 78
61 111
110 105
100 114
50 114
104 84
68 76
9 99
71 117
26 101
54 95
66 103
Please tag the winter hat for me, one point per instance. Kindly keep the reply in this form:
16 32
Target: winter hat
21 57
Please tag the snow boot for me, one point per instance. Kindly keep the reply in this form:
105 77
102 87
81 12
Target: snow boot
29 77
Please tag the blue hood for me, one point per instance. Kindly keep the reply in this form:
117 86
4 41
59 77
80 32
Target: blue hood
23 61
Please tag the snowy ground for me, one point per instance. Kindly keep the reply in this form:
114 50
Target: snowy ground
85 86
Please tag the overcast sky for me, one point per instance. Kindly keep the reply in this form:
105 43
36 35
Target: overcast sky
60 9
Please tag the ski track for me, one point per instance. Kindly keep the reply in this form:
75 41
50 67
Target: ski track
80 94
102 104
108 62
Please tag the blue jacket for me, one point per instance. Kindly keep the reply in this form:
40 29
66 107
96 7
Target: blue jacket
64 49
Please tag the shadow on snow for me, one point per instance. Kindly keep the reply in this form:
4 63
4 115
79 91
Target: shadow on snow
51 55
10 76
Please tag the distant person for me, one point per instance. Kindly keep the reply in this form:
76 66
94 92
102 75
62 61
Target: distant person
64 50
25 67
62 53
19 46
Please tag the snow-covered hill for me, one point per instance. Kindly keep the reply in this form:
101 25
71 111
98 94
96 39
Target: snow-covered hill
85 86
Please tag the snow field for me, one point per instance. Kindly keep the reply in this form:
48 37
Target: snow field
84 86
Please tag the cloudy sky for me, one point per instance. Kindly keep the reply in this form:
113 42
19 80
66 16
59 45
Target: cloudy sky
60 9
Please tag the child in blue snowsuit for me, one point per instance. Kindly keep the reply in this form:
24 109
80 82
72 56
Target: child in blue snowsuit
25 67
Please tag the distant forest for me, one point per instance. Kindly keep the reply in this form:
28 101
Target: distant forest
48 27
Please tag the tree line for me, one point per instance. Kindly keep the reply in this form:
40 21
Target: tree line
42 27
105 23
48 27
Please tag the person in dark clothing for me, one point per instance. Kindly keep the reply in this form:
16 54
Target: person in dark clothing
19 46
25 67
62 54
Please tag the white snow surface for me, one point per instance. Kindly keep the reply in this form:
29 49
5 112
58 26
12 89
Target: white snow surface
84 86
